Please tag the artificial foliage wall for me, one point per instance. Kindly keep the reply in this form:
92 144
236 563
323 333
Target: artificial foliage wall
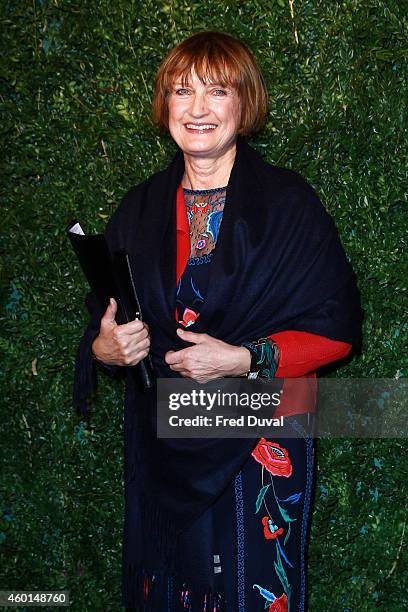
76 86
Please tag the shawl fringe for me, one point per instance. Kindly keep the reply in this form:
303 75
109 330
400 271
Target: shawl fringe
145 593
160 530
85 377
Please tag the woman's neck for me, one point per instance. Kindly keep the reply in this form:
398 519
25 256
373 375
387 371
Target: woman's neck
208 173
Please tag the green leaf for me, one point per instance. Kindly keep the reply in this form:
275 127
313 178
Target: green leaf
261 496
281 573
287 534
286 516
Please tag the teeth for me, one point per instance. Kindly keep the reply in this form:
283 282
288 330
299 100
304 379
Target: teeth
207 126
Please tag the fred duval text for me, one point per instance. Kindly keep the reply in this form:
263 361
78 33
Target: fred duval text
249 420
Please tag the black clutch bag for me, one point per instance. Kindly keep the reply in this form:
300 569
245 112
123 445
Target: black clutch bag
110 275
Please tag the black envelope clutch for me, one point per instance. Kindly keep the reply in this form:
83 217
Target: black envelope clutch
110 275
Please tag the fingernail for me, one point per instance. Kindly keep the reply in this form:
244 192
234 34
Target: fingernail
180 331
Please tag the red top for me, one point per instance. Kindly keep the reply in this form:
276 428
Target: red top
301 353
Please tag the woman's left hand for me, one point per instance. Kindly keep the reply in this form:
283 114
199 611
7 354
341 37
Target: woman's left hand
208 359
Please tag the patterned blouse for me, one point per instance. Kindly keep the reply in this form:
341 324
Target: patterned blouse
204 212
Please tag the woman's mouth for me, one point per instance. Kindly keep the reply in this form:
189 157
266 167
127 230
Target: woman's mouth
200 128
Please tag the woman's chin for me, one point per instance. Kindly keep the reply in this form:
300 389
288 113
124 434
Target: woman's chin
203 148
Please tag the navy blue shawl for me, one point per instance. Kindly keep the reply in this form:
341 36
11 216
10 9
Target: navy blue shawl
278 265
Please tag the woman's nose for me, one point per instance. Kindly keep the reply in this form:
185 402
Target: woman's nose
199 105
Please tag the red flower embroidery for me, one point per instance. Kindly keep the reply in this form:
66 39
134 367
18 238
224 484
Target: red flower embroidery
203 208
273 457
280 604
189 316
271 531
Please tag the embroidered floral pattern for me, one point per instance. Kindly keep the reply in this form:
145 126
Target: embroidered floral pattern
276 604
273 457
265 355
201 244
204 213
271 531
280 604
276 462
189 316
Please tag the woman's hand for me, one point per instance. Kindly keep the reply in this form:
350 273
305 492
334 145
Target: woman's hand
122 345
208 359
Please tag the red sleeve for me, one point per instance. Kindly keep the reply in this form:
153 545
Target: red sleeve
303 352
183 234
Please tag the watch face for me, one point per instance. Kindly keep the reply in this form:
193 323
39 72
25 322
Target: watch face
252 375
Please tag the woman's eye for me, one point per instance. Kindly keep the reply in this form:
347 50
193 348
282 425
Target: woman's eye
182 91
219 92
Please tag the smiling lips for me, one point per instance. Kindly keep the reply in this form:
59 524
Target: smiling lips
200 128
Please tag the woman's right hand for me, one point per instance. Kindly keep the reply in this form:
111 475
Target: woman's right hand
122 345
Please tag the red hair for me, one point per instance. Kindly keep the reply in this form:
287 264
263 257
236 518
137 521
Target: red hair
219 58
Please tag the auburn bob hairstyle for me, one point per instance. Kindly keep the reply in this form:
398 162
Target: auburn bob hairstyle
216 58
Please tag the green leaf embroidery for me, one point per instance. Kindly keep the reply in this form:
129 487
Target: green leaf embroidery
286 516
261 496
283 578
287 535
281 573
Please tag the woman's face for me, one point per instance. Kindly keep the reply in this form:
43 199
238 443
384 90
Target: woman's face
203 118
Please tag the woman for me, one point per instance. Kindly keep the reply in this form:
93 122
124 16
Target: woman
240 272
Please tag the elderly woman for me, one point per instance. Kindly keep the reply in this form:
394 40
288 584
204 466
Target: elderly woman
240 272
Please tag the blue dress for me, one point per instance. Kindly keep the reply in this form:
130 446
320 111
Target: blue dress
204 213
248 549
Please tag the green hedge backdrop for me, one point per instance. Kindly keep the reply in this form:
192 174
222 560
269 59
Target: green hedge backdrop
76 86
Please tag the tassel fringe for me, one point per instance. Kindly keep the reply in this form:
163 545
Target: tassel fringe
157 591
161 532
85 380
